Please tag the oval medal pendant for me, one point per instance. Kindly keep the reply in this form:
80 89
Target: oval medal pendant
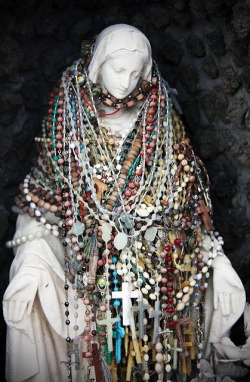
120 241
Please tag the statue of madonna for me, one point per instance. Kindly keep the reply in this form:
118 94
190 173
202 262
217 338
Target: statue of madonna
118 272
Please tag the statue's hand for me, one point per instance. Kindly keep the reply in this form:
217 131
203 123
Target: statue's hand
15 310
19 297
227 301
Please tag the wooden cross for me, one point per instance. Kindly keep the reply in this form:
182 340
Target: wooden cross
155 314
179 323
126 294
113 370
176 350
101 188
184 344
130 362
204 210
94 355
96 361
135 345
146 347
109 322
189 331
140 308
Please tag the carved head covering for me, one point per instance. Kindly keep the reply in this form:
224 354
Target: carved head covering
118 40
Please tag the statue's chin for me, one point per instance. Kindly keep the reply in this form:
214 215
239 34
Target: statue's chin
119 94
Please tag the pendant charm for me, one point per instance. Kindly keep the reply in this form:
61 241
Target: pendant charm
150 234
106 232
78 228
120 240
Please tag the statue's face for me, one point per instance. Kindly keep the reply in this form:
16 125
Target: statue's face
121 74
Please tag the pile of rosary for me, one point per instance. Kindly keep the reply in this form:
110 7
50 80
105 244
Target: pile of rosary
132 210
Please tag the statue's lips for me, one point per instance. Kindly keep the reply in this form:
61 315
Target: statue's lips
121 93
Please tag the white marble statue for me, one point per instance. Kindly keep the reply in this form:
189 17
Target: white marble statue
34 301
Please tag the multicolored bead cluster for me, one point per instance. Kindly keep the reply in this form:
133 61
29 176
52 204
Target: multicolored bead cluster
132 210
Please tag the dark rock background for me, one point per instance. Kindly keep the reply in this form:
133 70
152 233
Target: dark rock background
202 48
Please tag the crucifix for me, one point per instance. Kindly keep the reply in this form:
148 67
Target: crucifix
140 308
69 365
101 187
126 294
94 355
175 350
118 334
184 344
166 332
155 314
109 322
72 351
189 331
76 352
204 210
96 361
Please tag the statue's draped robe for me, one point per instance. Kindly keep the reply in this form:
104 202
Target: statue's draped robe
34 309
35 313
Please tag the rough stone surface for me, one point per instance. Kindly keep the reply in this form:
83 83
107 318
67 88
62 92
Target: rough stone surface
196 46
10 56
30 92
198 9
245 77
236 112
202 49
159 17
241 17
10 104
214 104
230 80
213 142
30 57
190 78
215 40
180 18
209 67
4 222
240 151
22 29
171 49
239 51
80 29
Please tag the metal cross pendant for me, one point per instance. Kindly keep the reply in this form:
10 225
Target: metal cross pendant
204 210
155 314
175 350
140 308
76 353
69 365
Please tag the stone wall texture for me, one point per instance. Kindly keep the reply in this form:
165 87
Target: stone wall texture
202 48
